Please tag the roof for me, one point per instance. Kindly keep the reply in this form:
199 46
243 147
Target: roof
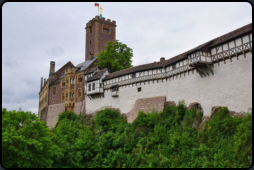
62 76
233 34
55 82
204 47
91 70
86 64
63 66
97 75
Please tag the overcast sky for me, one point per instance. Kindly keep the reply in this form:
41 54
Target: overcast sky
33 34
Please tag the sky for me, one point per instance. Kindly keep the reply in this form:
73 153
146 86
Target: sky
35 33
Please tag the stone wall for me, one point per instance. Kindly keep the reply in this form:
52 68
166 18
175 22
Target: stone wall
43 115
146 105
53 112
79 107
231 86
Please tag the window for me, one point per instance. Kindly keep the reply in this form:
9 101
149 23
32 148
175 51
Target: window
73 95
114 89
70 95
63 84
133 75
66 95
87 77
79 92
90 42
90 29
62 96
54 91
105 29
174 66
89 87
100 85
93 86
73 81
80 79
139 89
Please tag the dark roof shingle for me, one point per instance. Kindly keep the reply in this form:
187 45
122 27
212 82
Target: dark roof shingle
91 70
85 65
97 75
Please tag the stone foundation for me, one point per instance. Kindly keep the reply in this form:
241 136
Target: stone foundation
53 112
146 105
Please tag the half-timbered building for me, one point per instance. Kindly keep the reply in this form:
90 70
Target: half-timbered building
216 73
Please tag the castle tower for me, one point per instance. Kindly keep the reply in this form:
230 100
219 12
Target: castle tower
98 33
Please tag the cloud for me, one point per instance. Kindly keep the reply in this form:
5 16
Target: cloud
33 34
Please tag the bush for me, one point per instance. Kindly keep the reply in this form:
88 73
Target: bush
163 140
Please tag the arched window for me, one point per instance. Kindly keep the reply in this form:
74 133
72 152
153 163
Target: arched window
73 80
66 95
80 79
79 93
62 96
70 95
73 94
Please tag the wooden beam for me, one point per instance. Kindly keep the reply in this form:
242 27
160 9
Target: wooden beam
205 70
210 68
199 73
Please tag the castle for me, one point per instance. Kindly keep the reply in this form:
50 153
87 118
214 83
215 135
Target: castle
216 73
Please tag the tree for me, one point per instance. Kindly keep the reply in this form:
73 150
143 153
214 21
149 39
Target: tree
116 56
26 141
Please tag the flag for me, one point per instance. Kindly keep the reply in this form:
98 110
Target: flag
96 4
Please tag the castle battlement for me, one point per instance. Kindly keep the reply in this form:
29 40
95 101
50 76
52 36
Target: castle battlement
102 20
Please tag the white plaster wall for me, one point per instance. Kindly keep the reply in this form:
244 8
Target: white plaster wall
231 86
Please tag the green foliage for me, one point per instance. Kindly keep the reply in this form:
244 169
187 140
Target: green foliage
27 142
108 120
116 56
154 140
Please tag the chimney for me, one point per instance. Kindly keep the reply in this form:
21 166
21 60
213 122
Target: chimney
162 59
52 67
44 81
41 81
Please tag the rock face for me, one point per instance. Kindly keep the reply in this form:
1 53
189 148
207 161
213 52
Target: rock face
233 114
202 125
197 107
213 111
146 105
169 103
